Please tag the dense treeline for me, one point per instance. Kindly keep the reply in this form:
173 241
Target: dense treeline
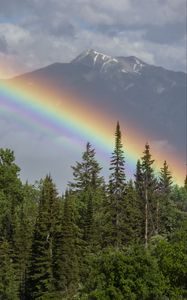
117 240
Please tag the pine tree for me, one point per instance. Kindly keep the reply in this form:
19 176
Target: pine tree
140 192
117 167
164 205
40 280
139 179
89 219
185 183
24 226
132 215
150 186
8 283
11 190
117 182
65 260
86 173
88 186
165 179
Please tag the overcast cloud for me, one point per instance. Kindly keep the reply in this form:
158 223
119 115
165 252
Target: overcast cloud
34 33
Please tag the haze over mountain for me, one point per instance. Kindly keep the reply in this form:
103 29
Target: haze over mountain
150 98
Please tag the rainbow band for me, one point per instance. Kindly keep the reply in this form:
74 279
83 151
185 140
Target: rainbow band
53 113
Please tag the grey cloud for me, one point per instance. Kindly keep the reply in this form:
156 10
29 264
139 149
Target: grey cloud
3 45
55 30
168 34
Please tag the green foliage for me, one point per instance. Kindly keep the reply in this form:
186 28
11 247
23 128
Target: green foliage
114 210
179 197
172 260
185 183
8 283
65 258
165 180
86 173
39 281
139 180
90 243
117 167
10 193
129 274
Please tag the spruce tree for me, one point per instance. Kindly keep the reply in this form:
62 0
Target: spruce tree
8 282
117 167
149 198
86 173
165 179
39 279
185 183
132 215
164 204
139 179
88 186
89 219
11 190
140 191
65 260
117 183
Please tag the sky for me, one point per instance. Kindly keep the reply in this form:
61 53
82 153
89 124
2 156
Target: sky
35 33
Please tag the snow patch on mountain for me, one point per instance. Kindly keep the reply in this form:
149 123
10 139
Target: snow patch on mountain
105 63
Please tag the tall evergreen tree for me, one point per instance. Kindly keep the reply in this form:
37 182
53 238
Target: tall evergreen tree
140 191
164 205
132 215
117 184
139 179
117 167
40 279
185 183
65 260
11 190
88 186
86 173
165 179
150 186
8 283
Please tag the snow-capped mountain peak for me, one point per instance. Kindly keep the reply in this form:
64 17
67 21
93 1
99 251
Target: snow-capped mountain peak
105 63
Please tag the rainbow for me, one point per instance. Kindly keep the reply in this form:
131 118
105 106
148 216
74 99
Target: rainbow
46 110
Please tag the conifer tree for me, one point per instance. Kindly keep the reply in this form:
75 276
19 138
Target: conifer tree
65 260
117 167
185 183
150 186
164 205
89 219
117 184
132 215
165 179
86 173
140 191
11 190
139 179
8 283
88 186
40 280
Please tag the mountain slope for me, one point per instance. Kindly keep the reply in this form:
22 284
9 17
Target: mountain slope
151 98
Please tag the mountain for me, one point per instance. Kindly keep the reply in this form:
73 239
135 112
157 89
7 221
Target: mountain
151 98
105 64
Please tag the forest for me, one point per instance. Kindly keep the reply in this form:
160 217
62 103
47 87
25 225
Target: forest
121 239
